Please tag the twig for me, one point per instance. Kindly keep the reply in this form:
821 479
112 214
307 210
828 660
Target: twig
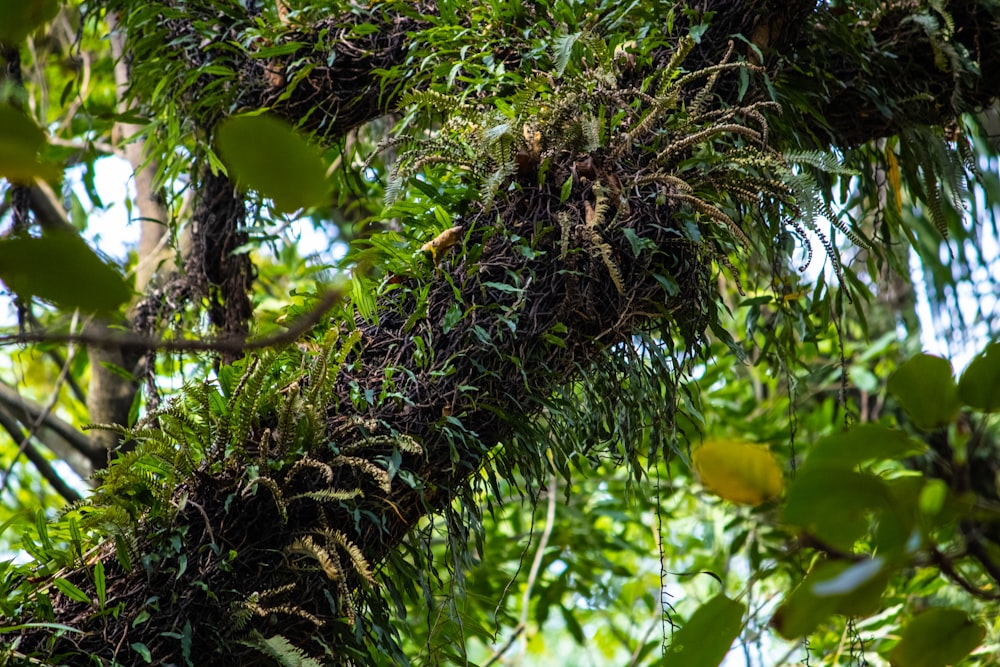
497 654
642 642
134 341
536 565
948 570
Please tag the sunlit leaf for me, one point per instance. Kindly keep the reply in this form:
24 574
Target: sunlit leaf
61 268
267 155
936 638
924 386
740 472
980 384
705 639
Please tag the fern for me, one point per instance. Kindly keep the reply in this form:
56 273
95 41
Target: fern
284 652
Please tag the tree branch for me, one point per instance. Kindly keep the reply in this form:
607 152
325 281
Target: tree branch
44 468
61 437
230 344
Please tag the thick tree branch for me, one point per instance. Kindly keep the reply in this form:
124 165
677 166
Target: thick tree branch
860 90
64 439
41 464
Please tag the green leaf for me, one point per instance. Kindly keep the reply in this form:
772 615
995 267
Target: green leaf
980 384
451 317
31 626
61 268
833 503
142 650
563 51
833 587
71 591
936 638
573 625
567 189
21 140
924 386
266 154
100 584
866 442
705 639
21 17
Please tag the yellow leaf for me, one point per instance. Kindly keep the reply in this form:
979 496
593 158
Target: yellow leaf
738 471
892 175
442 242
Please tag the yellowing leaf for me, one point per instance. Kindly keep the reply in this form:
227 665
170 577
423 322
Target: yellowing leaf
442 242
738 471
892 175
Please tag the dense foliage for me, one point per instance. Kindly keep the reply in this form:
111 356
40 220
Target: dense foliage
610 353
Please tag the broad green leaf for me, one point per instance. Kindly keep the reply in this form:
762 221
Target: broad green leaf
936 638
21 17
451 317
21 140
980 384
71 591
100 584
858 588
266 154
705 639
740 472
142 650
926 389
933 496
567 189
866 442
61 268
834 587
833 503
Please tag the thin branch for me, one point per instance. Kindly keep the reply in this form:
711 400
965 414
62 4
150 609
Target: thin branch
234 344
49 213
518 631
543 543
536 564
41 464
948 570
974 544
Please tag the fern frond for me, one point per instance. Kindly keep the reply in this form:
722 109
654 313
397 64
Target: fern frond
275 491
380 476
715 214
328 495
328 561
284 652
358 560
